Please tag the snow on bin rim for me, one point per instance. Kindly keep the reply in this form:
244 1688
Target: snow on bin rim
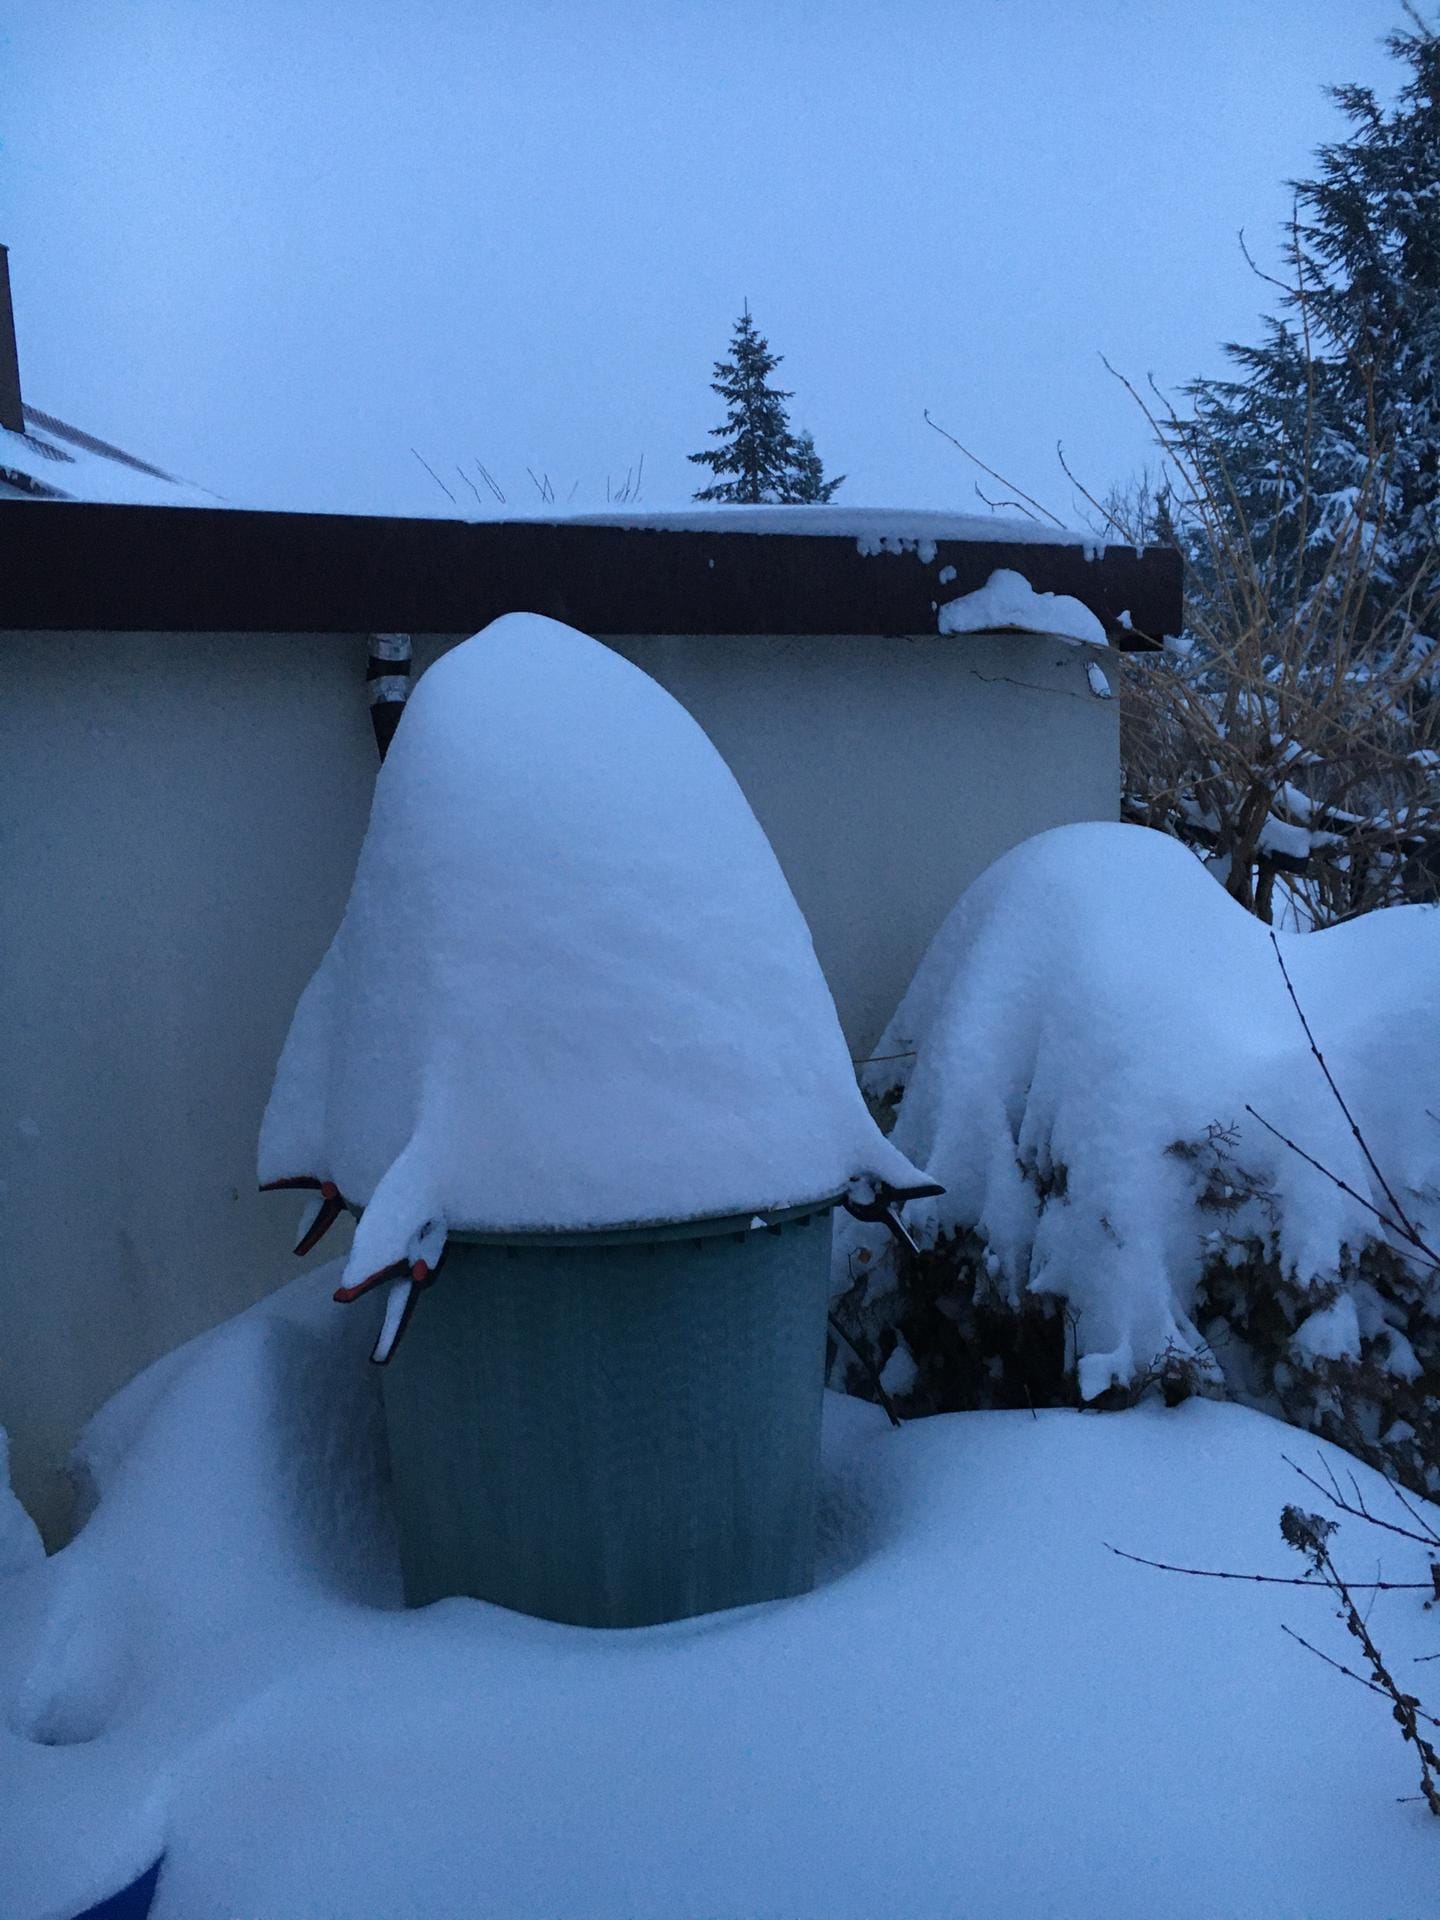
703 1226
586 1000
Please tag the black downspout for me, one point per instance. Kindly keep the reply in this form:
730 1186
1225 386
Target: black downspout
387 679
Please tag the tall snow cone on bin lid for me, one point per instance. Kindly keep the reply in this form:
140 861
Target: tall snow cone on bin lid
571 991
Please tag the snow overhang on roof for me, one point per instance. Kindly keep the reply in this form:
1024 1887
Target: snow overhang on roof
185 569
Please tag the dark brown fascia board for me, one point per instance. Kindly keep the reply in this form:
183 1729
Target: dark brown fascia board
68 565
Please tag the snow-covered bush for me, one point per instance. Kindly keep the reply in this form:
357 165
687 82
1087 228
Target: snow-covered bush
1098 1058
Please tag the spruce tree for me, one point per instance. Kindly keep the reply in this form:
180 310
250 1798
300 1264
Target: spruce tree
1307 698
759 460
1341 400
1372 239
808 485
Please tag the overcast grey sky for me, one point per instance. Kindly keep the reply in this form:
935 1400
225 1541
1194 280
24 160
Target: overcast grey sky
274 244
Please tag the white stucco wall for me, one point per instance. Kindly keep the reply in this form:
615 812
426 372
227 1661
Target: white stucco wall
181 816
179 820
889 773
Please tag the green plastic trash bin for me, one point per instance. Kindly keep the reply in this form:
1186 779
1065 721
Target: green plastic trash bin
615 1429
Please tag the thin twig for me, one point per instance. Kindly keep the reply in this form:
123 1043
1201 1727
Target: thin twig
433 475
868 1364
1404 1499
1410 1231
996 505
1351 1674
1359 1510
1271 1579
489 479
1259 271
974 458
1330 1661
1394 1226
1098 505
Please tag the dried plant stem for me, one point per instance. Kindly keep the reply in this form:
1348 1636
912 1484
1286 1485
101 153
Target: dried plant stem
1405 1707
871 1371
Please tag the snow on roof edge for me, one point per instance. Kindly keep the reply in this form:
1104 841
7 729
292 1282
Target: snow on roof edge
890 530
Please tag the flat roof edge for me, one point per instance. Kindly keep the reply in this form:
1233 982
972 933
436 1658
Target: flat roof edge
79 566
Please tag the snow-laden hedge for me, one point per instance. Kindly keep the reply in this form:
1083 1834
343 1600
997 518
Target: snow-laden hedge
1086 1059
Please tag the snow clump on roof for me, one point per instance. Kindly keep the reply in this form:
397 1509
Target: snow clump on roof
1007 603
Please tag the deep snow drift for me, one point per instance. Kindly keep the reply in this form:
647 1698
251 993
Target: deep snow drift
979 1711
1093 1020
572 988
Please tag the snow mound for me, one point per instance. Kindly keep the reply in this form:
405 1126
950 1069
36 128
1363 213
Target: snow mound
571 988
1088 1031
239 1510
1007 603
19 1541
977 1697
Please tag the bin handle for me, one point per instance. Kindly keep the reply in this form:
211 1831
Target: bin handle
328 1208
409 1279
879 1205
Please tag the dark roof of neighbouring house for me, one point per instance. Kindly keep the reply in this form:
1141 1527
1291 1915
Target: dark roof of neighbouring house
52 460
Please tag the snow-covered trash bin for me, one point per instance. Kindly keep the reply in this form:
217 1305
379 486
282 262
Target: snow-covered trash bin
572 1040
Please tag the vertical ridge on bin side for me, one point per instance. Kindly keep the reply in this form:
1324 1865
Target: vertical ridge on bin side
644 1434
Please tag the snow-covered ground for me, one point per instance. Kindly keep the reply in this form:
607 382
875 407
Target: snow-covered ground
979 1712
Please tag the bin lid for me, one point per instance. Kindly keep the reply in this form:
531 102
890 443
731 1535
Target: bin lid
572 989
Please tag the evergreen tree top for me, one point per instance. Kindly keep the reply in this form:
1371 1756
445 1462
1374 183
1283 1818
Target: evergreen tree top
759 459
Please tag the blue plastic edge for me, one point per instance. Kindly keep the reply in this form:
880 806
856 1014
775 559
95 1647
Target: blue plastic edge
132 1902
